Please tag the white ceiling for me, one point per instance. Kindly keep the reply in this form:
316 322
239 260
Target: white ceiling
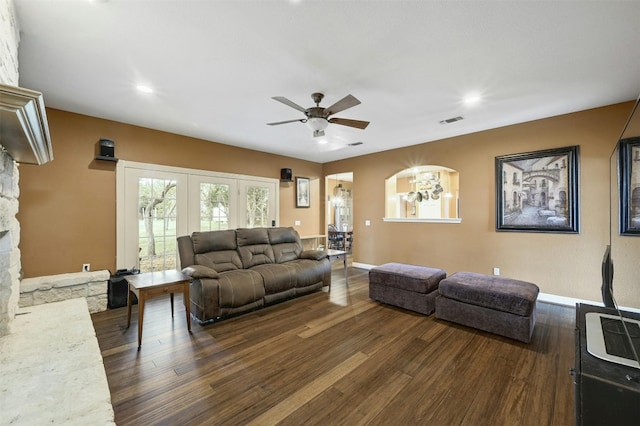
214 65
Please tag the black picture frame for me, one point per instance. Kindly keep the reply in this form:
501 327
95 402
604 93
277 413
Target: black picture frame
538 191
629 181
303 192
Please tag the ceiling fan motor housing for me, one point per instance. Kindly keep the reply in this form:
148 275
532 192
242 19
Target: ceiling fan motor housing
317 98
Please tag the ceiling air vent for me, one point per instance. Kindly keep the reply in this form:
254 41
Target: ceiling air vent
355 144
451 120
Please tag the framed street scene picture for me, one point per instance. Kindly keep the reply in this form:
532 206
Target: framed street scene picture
629 178
538 191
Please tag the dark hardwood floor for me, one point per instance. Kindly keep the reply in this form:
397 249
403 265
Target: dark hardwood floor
335 358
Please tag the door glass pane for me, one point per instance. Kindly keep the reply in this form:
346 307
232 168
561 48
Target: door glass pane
214 206
157 224
257 206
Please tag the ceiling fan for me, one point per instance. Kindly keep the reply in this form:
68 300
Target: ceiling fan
318 117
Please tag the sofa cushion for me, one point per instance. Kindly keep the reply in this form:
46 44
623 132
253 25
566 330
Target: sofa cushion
254 247
277 277
221 261
283 235
252 236
309 272
204 242
239 288
258 254
286 252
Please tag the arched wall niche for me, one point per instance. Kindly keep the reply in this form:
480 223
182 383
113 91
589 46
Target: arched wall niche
426 193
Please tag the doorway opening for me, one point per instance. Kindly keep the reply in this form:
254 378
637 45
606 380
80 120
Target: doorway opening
339 212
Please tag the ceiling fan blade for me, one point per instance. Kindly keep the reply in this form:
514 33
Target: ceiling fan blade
302 120
344 103
288 102
351 123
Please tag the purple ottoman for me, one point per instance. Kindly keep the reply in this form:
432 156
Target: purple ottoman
498 305
406 286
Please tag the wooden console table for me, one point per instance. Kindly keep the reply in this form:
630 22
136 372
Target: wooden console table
152 284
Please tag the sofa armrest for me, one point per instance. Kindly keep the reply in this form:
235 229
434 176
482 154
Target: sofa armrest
313 254
200 271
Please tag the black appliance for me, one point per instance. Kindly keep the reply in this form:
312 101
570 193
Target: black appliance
118 287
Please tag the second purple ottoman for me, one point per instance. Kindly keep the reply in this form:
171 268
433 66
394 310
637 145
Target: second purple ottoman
498 305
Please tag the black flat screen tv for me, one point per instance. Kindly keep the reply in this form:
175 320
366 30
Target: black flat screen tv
612 337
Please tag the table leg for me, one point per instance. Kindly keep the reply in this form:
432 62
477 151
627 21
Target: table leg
129 297
187 305
346 276
141 297
171 305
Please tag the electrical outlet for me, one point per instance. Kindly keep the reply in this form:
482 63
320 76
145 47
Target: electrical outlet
86 267
296 223
367 222
496 271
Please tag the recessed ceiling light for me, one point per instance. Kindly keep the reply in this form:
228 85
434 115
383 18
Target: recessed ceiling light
471 99
144 89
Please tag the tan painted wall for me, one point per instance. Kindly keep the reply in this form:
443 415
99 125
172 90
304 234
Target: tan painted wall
564 265
68 207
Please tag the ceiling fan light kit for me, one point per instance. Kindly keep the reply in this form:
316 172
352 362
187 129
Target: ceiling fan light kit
317 118
316 123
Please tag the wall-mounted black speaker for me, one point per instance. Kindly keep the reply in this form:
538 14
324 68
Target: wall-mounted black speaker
107 148
286 175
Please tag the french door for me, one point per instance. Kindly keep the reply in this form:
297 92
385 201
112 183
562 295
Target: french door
157 204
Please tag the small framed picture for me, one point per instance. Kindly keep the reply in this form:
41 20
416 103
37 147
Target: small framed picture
303 192
538 191
629 166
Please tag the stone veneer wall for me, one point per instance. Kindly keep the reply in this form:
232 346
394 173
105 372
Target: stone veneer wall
10 265
56 288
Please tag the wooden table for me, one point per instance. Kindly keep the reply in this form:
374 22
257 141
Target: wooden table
152 284
334 255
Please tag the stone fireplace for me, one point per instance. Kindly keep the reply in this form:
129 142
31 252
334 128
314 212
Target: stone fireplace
9 227
9 238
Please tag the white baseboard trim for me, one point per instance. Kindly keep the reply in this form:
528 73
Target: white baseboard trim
564 301
542 297
363 265
570 301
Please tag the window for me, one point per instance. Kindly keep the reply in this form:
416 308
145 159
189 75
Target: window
156 204
424 193
157 224
214 206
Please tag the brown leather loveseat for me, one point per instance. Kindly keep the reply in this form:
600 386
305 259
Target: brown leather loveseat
239 270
